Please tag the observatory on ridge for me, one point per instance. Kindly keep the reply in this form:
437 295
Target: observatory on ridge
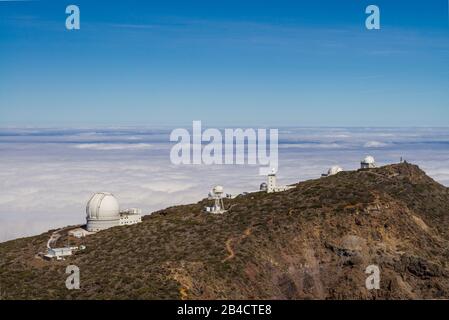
103 212
271 186
332 171
217 196
368 163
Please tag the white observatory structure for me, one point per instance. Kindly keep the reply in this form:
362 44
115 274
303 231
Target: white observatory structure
103 212
271 181
332 171
130 216
368 163
217 195
271 185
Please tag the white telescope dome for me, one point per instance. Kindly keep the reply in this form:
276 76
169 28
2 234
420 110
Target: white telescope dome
103 211
334 170
368 160
217 189
103 205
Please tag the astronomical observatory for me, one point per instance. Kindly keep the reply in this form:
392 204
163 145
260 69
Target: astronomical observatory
103 209
332 171
271 186
368 163
217 196
103 212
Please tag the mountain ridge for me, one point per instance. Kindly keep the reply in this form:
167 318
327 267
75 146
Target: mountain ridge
311 242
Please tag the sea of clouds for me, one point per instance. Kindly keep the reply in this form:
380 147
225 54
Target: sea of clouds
48 175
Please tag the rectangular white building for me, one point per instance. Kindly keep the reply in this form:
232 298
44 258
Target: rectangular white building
58 253
79 233
130 216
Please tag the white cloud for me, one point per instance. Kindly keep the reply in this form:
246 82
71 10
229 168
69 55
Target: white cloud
113 146
311 146
47 180
375 144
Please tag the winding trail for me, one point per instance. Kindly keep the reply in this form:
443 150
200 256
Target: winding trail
54 237
183 293
228 243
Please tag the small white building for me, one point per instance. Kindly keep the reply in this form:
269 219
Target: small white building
130 216
58 253
79 233
61 253
272 186
368 163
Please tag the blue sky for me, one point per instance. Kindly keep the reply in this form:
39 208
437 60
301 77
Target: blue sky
247 63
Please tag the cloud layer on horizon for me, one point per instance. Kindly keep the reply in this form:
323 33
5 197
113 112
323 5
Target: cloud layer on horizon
47 176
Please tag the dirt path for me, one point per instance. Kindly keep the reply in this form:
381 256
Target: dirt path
228 243
183 293
54 237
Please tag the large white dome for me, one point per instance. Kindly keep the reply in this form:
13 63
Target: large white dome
334 170
103 211
217 190
368 160
103 205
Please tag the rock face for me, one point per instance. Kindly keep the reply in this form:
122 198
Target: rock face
311 242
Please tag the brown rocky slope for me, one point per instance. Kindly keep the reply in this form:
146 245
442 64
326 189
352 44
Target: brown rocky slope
310 242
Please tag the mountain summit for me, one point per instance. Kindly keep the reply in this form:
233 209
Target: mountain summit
313 241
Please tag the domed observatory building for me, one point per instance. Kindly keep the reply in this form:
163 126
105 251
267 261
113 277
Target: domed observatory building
217 195
368 163
102 211
334 170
